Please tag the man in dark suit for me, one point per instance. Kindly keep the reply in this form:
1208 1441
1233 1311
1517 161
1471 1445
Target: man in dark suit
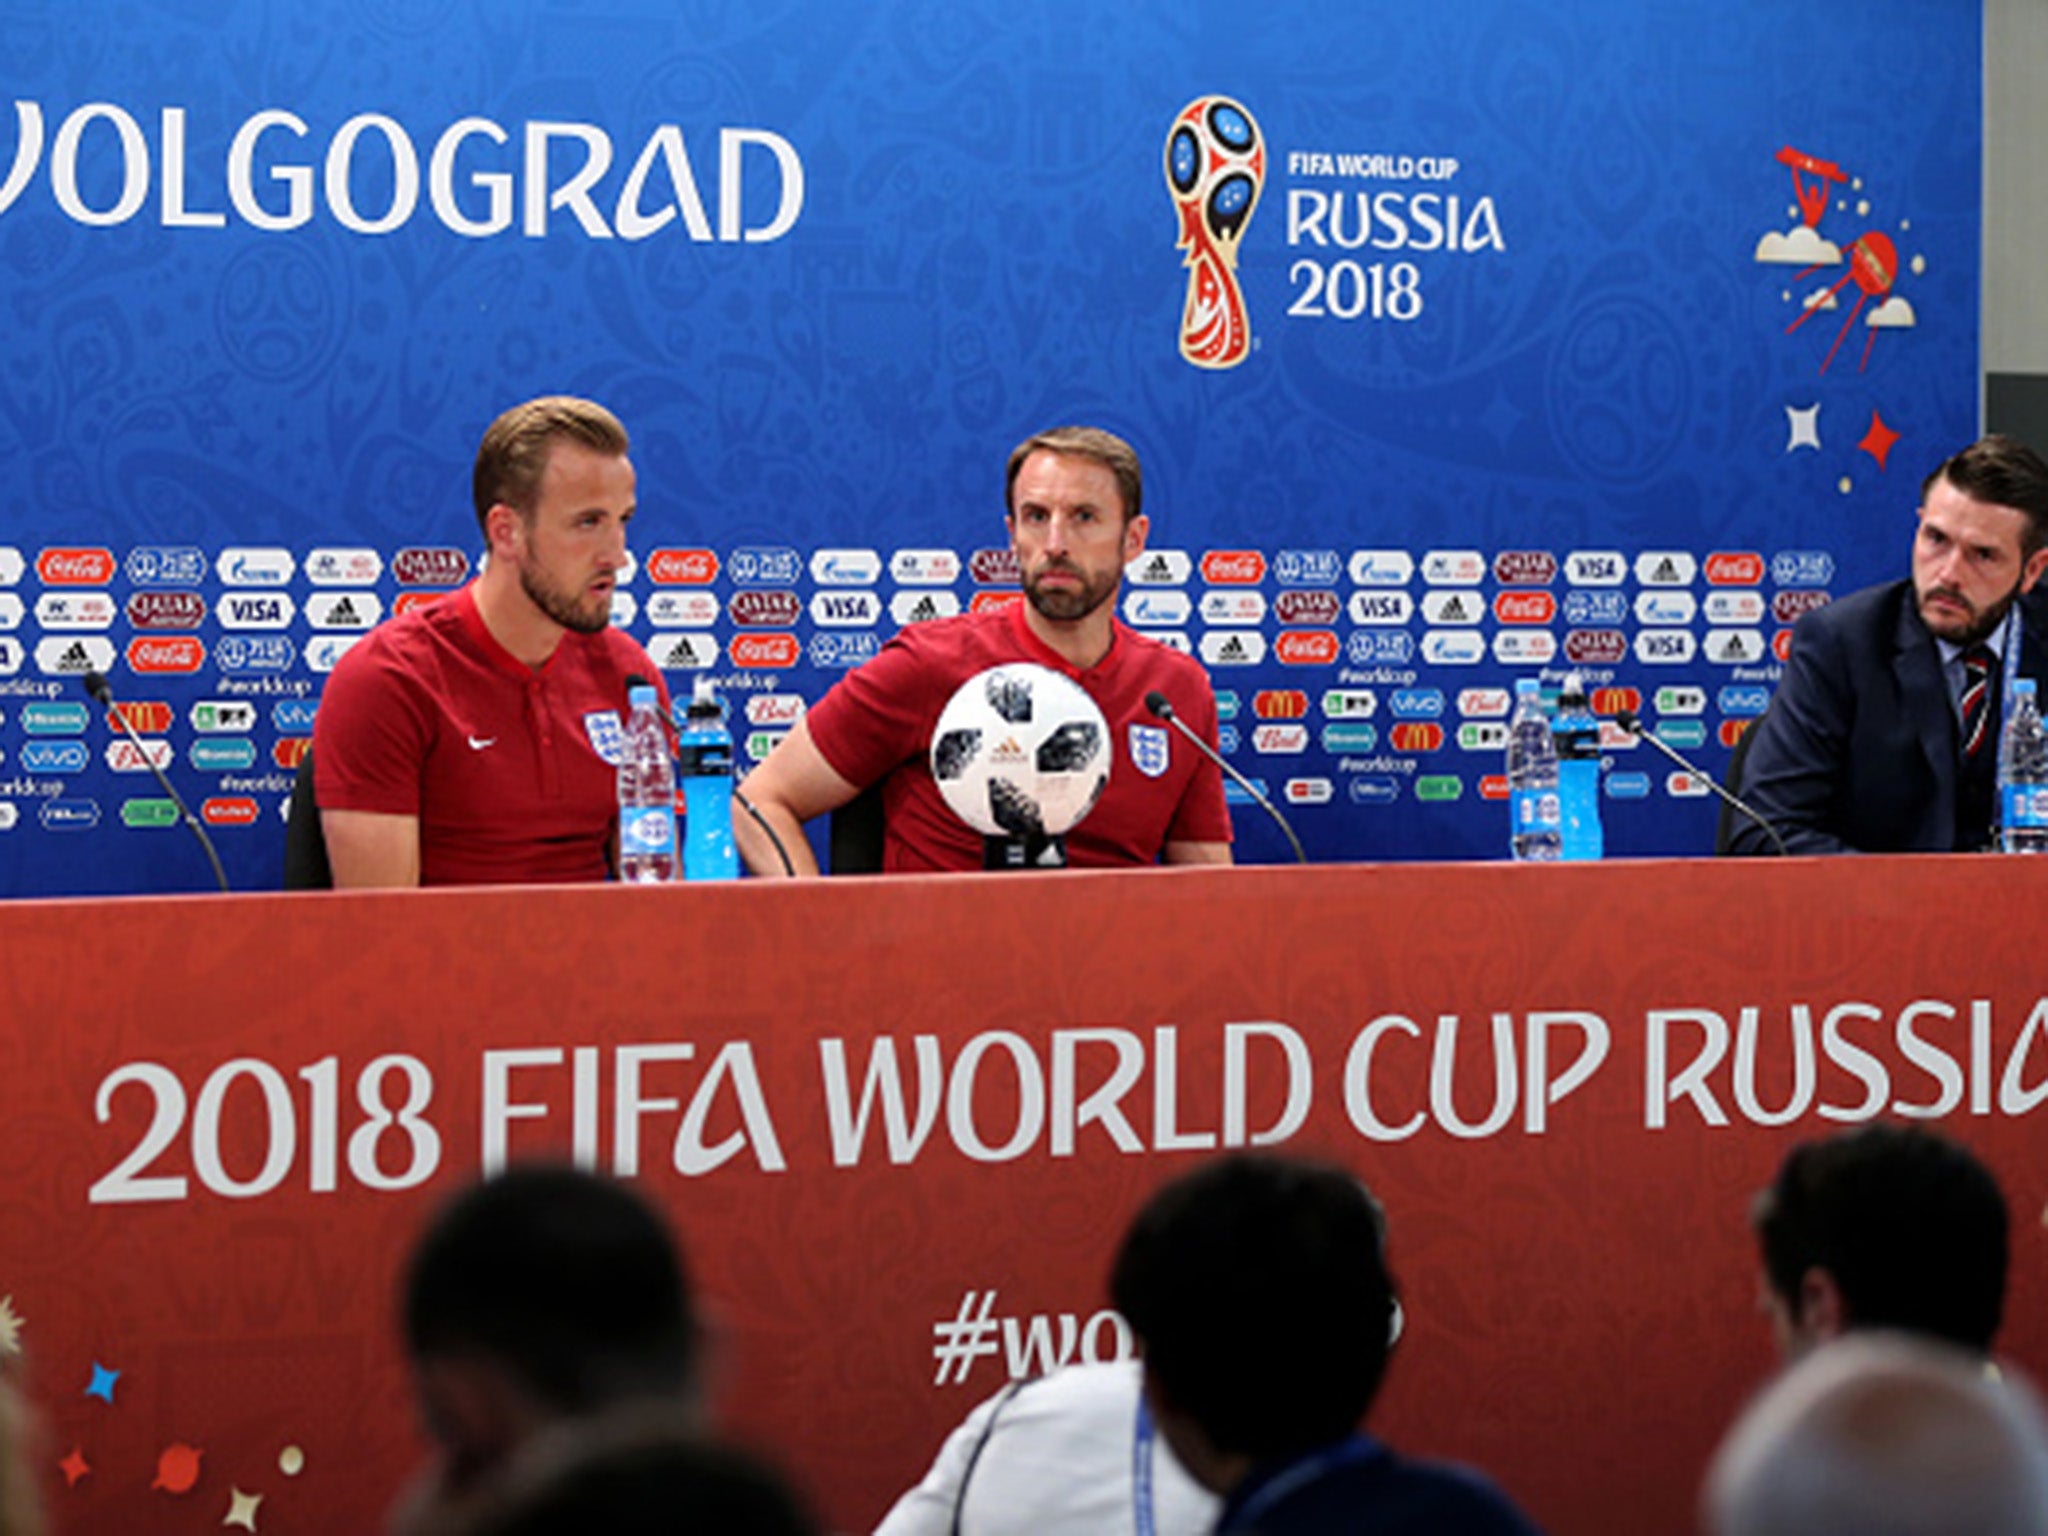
1883 735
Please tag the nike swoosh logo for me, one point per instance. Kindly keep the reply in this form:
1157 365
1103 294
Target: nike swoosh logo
478 746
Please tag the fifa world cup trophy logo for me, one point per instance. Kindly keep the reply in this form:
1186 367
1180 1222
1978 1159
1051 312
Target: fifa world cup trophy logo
1215 166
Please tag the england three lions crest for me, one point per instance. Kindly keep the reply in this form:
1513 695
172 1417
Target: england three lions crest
1148 750
1215 168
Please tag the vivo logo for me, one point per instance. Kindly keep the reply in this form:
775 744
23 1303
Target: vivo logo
1416 703
293 717
1744 701
54 756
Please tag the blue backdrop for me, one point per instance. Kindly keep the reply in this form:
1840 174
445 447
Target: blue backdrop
1520 384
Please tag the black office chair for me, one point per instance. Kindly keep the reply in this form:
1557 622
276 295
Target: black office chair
305 846
855 838
1730 818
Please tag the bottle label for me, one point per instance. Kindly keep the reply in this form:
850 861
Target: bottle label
1536 810
700 759
647 829
2024 807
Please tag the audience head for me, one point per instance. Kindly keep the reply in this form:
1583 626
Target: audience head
633 1475
539 1295
1884 1434
1259 1293
1883 1227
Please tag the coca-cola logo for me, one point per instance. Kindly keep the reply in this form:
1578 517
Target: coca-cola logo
1781 645
994 567
1233 567
765 609
765 651
1727 568
1307 647
1790 607
166 610
75 567
1524 607
182 653
1309 607
988 602
405 602
419 567
682 567
1525 567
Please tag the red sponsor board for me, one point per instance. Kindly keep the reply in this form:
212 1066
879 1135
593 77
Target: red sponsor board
75 567
994 567
984 602
149 717
1493 786
289 751
1744 568
765 651
1524 607
682 567
1791 607
1781 645
1525 567
1315 606
405 602
765 609
1233 567
1595 647
1307 647
229 811
1416 736
1612 701
419 567
166 653
1279 703
166 610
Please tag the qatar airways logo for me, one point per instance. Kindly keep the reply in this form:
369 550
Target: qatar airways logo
103 164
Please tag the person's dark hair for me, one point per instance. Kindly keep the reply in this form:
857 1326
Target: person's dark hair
2004 472
1259 1290
514 453
1104 448
569 1281
649 1487
1911 1227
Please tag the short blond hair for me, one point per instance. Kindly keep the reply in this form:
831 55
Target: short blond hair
514 452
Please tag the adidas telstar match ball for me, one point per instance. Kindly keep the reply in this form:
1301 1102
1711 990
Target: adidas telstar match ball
1021 751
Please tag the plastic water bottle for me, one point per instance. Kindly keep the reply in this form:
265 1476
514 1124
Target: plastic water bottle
2023 774
1536 828
708 852
1578 771
647 793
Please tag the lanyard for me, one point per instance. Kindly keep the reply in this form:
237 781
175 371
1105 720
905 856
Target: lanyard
1141 1470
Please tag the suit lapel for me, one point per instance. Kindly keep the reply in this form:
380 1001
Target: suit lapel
1923 696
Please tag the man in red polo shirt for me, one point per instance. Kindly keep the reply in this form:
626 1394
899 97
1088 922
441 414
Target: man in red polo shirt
1074 520
475 740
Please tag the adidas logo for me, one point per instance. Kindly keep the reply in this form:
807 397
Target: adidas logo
1665 571
924 608
1233 649
1158 568
344 612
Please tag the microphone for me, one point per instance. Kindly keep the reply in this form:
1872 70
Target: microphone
1156 702
103 695
1627 720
